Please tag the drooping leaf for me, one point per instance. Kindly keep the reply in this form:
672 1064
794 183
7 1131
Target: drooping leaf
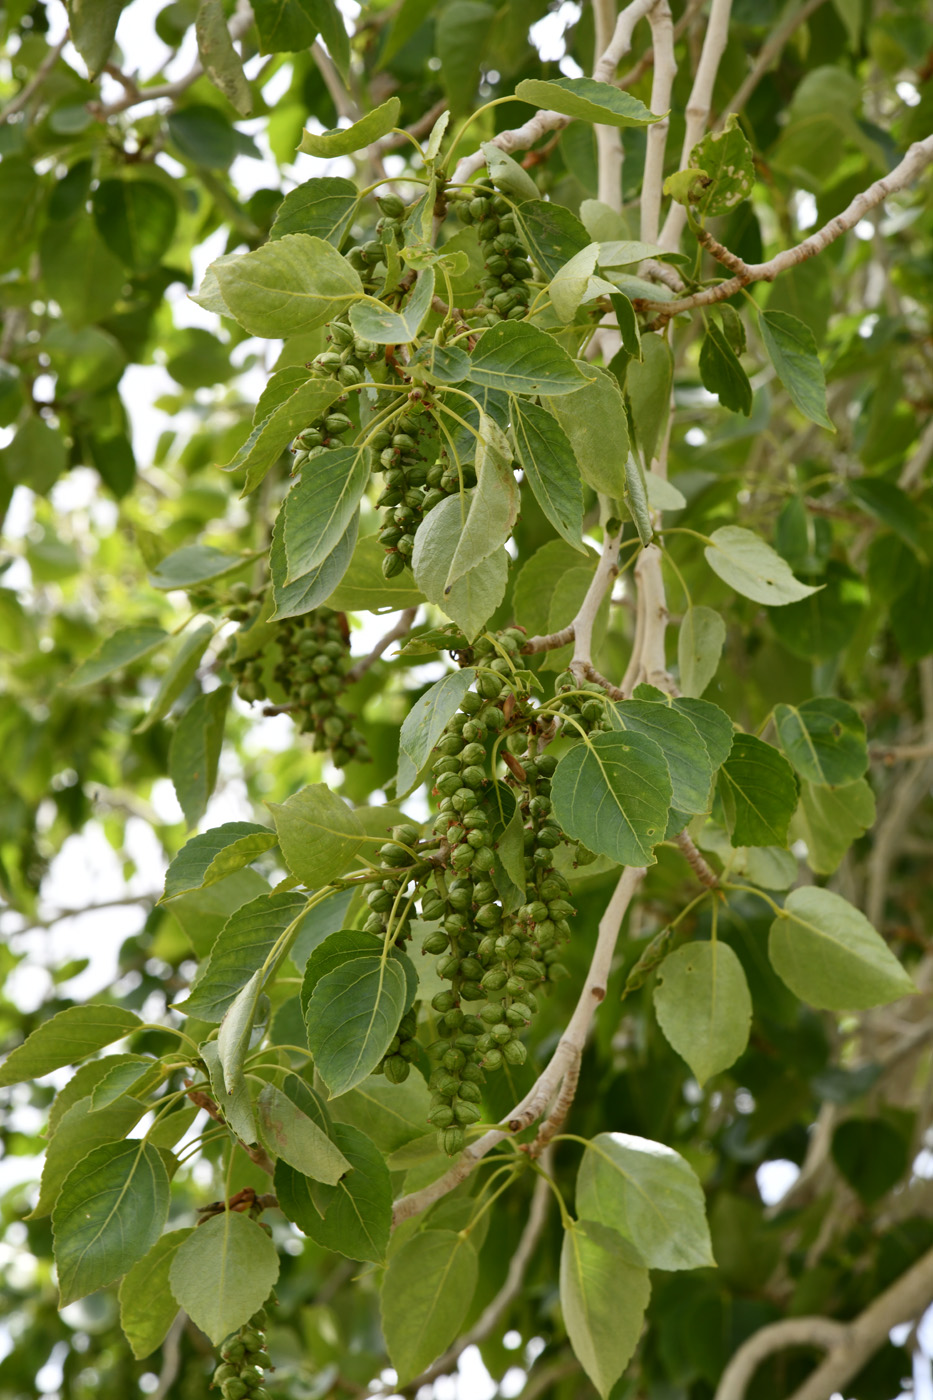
426 1292
235 1104
352 1016
309 590
703 1006
69 1036
125 646
550 468
191 565
722 373
297 1139
79 1132
472 599
138 1075
363 588
792 350
242 946
222 63
507 175
699 648
372 320
830 956
824 738
288 286
147 1305
179 673
136 219
604 1291
194 752
688 764
520 359
613 793
223 1272
648 387
461 34
348 139
828 820
320 507
216 854
594 422
233 1038
650 1195
92 26
743 560
551 233
759 792
355 1215
428 717
493 503
587 100
318 834
307 400
109 1213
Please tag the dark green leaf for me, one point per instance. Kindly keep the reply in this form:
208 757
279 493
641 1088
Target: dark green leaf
721 372
461 35
318 584
355 1215
285 26
79 270
321 506
792 350
824 739
759 793
588 100
147 1305
493 503
216 854
92 25
191 565
648 386
871 1154
221 62
428 717
136 219
613 793
550 468
80 1131
66 1038
352 1016
125 646
368 129
689 766
240 950
426 1292
364 588
728 162
203 135
178 675
551 233
520 359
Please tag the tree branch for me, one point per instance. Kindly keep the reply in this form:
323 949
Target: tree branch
549 641
768 53
401 629
569 1048
917 158
22 98
665 70
695 859
790 1332
601 583
609 153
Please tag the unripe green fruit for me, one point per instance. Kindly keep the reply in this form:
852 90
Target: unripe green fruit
397 1069
392 565
492 1014
466 1113
492 1059
472 991
471 968
234 1353
442 1116
391 205
443 1001
234 1389
453 1141
435 942
495 979
470 1093
484 859
514 1053
224 1372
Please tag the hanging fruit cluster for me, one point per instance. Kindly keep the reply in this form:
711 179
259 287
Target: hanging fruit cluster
506 284
244 1359
314 658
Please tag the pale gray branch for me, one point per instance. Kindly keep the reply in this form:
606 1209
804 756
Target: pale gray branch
22 98
767 54
401 629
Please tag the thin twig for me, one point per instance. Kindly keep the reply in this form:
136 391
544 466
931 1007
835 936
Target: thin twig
401 629
171 1357
767 54
820 1332
569 1048
21 100
549 641
918 157
694 858
721 253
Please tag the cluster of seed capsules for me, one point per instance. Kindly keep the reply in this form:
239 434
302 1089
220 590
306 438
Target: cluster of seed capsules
244 1359
412 486
314 658
506 284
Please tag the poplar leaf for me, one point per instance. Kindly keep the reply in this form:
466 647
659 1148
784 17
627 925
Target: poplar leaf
830 955
224 1272
703 1006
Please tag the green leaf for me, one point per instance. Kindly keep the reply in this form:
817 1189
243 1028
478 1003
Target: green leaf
604 1291
461 33
141 1074
650 1195
824 739
595 425
636 498
194 752
310 590
759 793
216 854
109 1213
285 26
629 329
551 233
329 21
92 25
390 1114
727 159
364 589
699 648
136 219
194 564
428 717
82 1085
550 468
721 372
79 1132
66 1038
830 956
320 507
147 1304
792 350
379 122
426 1292
541 586
224 1272
587 100
743 560
828 820
493 503
201 134
872 1154
520 359
571 284
288 286
240 950
507 175
178 675
355 1215
613 793
319 923
344 946
221 61
234 1035
269 439
648 386
713 725
295 1138
688 764
703 1006
441 364
472 600
79 270
318 834
236 1104
373 320
352 1016
127 645
323 208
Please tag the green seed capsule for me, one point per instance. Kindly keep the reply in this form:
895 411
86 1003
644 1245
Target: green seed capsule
397 1069
392 565
442 1116
453 1140
514 1053
466 1113
492 1059
435 942
472 991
